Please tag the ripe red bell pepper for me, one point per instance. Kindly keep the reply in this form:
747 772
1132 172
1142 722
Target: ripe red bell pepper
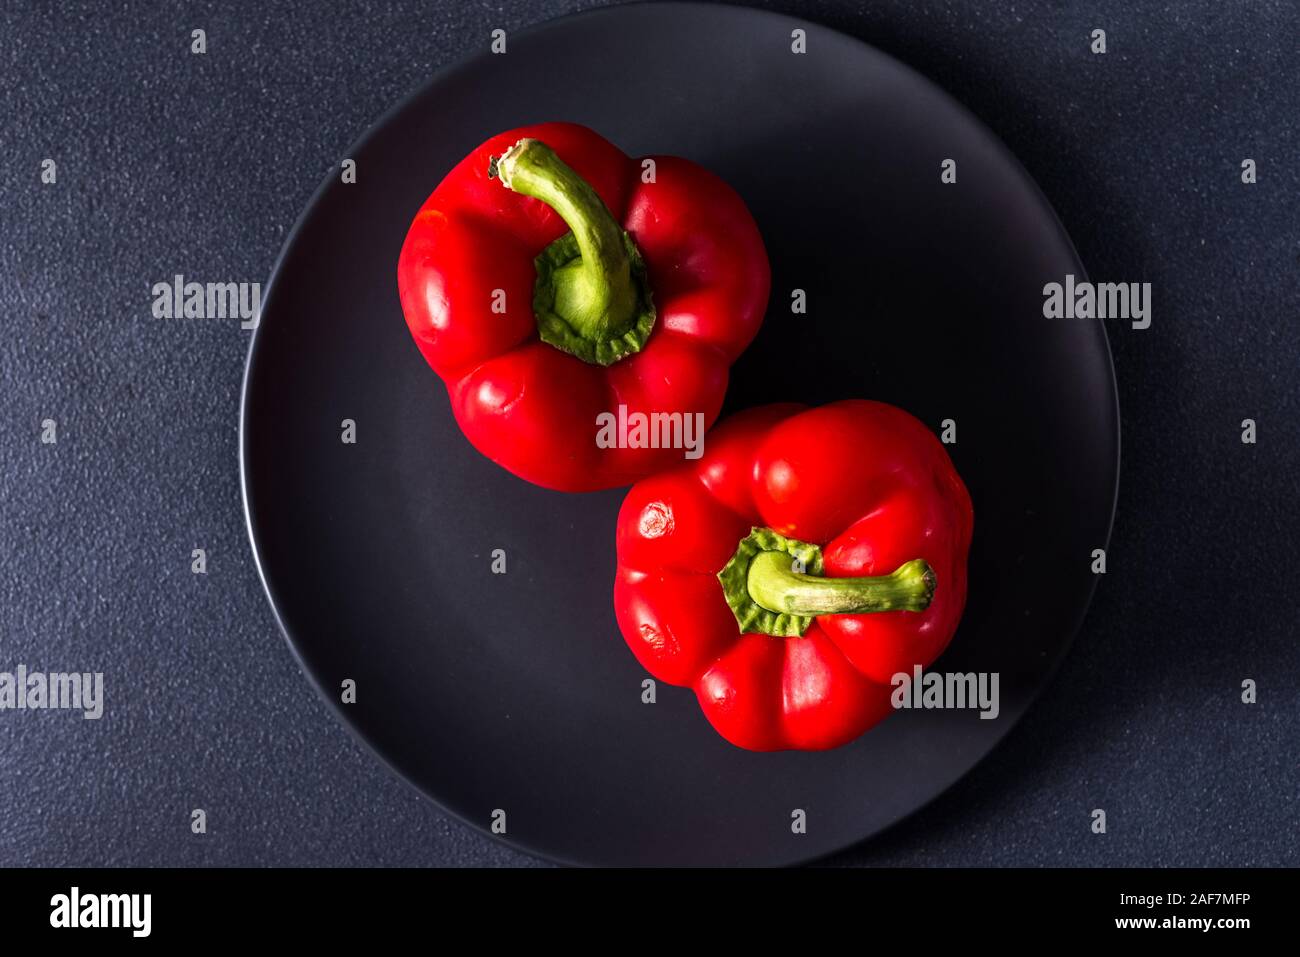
550 279
790 573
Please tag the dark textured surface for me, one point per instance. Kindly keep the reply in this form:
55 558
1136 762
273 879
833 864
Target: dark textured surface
169 162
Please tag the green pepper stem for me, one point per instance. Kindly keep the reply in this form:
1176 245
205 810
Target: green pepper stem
594 293
773 584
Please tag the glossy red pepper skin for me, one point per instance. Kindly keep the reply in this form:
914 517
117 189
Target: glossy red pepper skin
525 404
864 480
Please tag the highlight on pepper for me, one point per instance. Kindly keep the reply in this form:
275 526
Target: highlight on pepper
549 283
787 575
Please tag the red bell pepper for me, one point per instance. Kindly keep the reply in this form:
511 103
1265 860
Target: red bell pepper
790 573
550 279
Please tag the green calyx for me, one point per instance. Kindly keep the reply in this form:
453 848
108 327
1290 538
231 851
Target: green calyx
750 615
591 299
774 586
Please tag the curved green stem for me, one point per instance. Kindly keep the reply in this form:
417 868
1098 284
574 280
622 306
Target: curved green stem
774 586
591 298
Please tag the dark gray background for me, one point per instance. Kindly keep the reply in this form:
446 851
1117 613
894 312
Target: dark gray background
169 162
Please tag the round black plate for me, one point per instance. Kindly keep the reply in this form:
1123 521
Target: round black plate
515 692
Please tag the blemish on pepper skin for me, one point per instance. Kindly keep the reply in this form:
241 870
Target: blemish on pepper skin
426 217
496 399
656 520
663 643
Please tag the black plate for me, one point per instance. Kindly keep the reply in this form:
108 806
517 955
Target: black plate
516 691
